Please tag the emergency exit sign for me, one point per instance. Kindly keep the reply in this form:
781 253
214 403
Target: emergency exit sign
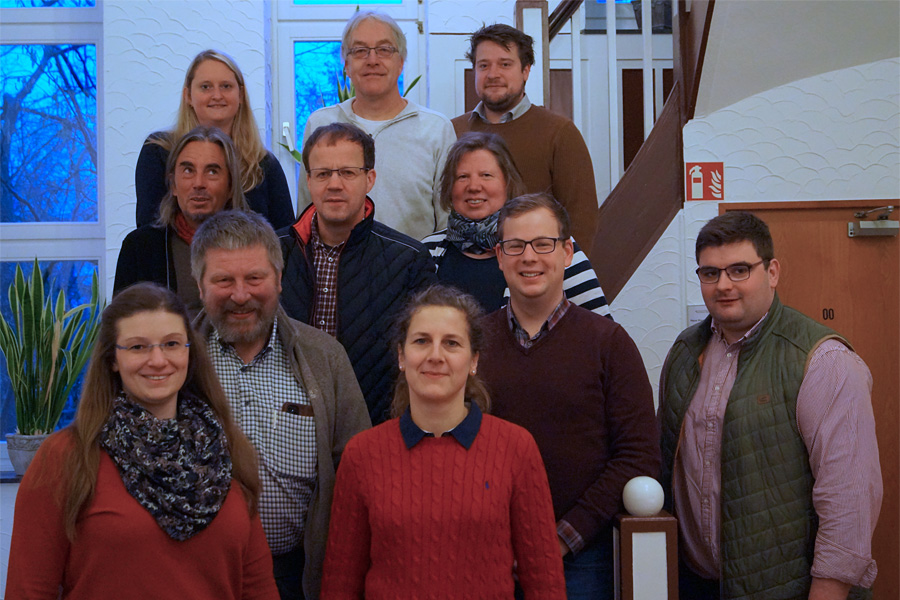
704 181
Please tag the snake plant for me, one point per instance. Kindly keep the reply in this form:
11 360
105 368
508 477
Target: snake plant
46 346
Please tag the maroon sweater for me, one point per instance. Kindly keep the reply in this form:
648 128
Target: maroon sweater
440 521
581 390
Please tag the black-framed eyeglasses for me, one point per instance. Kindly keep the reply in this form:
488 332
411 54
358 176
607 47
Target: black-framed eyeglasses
735 272
541 245
361 52
345 173
171 347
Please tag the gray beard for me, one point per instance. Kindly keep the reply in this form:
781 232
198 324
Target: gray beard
233 335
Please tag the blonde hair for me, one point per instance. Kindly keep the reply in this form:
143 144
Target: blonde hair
244 131
102 385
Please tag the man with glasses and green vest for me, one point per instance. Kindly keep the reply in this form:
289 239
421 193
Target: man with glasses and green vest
770 461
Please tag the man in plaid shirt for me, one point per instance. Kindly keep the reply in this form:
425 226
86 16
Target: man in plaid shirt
291 388
346 273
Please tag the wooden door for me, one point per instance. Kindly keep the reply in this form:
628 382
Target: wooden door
853 286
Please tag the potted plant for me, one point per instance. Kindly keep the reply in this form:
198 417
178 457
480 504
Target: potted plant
46 347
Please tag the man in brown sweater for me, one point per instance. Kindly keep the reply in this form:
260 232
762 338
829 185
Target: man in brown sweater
576 382
548 149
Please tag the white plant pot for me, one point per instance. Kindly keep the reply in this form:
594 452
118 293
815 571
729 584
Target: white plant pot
22 449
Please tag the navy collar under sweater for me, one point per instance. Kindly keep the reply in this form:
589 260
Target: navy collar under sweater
464 433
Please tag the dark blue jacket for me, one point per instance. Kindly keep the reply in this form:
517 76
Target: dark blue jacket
379 269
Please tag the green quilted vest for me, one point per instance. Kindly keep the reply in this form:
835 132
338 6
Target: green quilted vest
768 523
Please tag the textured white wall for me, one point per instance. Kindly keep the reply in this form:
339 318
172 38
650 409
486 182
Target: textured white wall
466 16
834 136
147 46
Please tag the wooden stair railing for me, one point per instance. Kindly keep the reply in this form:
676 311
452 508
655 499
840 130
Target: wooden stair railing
643 203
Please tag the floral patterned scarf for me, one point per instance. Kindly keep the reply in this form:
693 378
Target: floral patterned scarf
474 237
178 469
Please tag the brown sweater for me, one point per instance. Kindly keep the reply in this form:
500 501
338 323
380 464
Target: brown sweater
581 390
552 157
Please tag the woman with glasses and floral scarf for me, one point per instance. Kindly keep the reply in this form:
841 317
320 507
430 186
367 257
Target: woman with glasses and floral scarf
152 491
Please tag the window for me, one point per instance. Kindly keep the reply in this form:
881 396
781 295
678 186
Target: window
49 133
72 276
318 74
50 205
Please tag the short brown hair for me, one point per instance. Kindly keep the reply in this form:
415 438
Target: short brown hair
505 36
733 227
333 133
529 202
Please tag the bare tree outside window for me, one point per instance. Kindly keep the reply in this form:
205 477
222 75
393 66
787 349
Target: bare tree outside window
48 133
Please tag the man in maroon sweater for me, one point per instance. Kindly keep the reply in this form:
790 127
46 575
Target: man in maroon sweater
576 382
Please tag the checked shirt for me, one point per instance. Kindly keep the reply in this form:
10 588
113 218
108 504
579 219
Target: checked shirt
286 442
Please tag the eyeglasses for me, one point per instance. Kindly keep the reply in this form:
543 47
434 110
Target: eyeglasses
345 173
172 347
541 245
361 52
735 272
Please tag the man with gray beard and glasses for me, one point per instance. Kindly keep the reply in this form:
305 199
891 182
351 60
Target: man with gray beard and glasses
291 387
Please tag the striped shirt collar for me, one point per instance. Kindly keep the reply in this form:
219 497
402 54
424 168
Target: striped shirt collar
522 336
464 433
517 111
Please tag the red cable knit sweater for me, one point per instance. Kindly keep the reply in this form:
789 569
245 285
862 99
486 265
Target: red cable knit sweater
440 521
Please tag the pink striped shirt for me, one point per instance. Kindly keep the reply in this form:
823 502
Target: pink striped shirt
836 423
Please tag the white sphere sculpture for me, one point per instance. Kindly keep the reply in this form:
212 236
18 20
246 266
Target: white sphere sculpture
643 496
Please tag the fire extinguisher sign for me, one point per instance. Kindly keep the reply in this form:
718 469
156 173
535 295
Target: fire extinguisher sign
704 180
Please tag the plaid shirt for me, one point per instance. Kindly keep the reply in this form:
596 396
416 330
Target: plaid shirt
286 441
522 336
564 530
325 260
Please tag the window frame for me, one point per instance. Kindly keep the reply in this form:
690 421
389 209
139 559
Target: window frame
58 241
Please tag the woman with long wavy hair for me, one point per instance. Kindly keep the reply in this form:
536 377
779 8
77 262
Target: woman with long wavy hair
214 94
443 501
152 491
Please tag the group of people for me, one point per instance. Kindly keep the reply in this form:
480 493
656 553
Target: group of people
224 444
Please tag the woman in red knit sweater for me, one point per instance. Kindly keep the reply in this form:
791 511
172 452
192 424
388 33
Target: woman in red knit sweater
443 501
152 491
